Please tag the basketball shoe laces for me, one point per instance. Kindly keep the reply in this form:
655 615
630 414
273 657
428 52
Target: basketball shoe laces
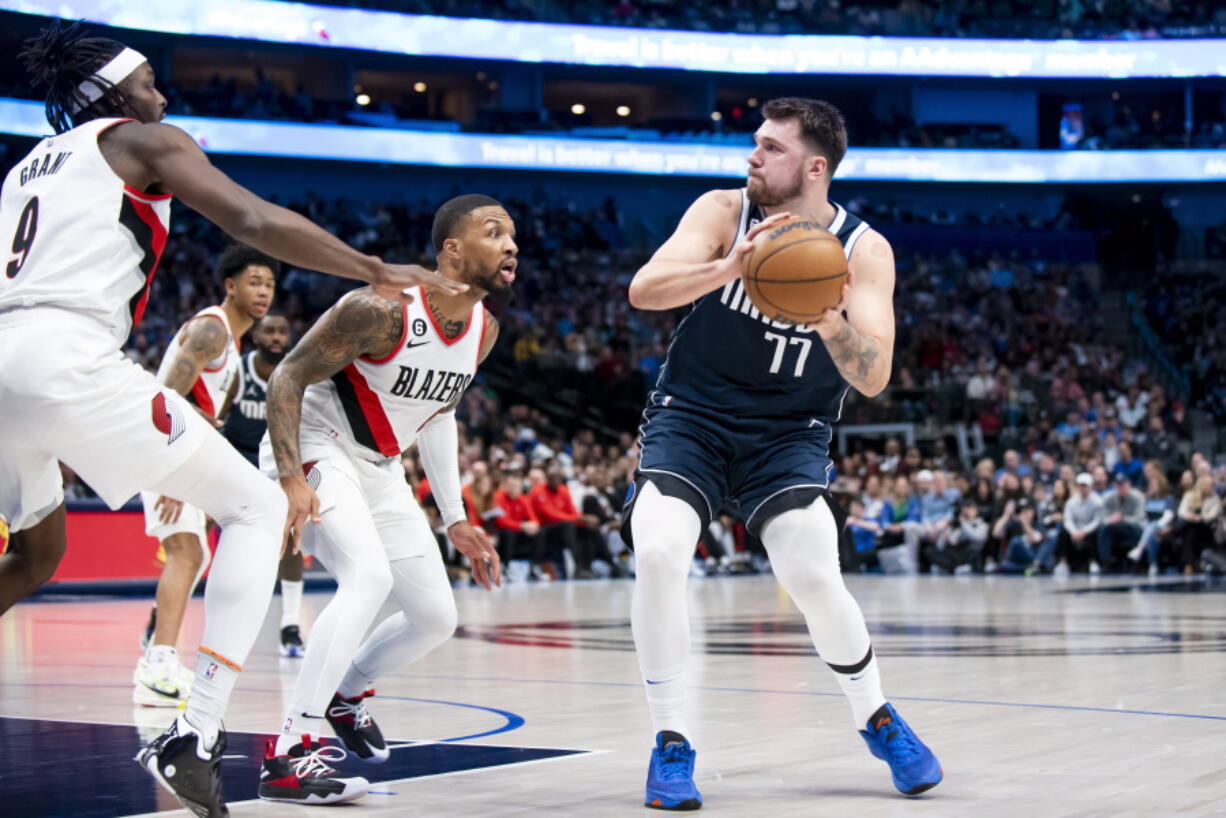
674 762
315 763
355 710
900 744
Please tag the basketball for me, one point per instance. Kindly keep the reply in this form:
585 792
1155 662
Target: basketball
796 272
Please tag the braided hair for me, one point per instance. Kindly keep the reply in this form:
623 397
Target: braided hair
60 58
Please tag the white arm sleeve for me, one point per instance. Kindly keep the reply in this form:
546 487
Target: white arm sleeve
439 444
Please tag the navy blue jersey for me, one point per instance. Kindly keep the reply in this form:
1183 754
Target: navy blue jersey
246 422
728 358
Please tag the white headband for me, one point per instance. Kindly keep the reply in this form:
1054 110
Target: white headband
114 72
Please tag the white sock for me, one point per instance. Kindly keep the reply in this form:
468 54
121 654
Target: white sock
291 601
863 690
158 654
215 680
803 548
665 532
294 729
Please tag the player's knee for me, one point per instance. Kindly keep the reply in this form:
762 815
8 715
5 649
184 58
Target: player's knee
661 559
439 623
185 550
373 580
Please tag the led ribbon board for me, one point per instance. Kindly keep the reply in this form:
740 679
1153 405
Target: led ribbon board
418 35
353 144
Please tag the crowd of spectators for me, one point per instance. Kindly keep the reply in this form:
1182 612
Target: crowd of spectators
1007 344
1047 19
1188 314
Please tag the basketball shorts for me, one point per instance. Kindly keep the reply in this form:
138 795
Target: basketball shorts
352 487
759 467
191 520
69 395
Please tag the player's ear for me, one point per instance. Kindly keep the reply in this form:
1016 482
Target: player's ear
817 166
451 247
229 285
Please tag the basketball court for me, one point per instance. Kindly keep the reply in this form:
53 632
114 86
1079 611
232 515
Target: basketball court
1041 699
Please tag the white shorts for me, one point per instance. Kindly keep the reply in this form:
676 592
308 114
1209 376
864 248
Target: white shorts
382 493
67 394
191 519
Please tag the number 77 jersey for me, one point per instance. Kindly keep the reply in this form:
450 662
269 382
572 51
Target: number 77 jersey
74 236
728 358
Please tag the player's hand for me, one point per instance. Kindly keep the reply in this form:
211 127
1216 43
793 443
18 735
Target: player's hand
396 279
831 322
303 508
735 262
168 510
477 546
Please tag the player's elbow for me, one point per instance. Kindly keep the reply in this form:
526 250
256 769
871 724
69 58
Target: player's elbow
639 294
874 387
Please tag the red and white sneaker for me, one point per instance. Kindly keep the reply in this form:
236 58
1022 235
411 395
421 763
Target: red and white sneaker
351 722
303 776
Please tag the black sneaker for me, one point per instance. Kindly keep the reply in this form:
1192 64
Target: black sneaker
173 760
291 642
351 722
304 777
146 638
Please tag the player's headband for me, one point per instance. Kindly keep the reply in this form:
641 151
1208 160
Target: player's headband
113 73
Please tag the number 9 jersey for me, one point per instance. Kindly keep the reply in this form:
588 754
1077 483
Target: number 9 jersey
75 237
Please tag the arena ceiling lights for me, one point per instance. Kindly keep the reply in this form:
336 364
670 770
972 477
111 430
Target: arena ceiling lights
468 150
416 35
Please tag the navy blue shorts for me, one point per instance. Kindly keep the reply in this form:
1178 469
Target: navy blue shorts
758 466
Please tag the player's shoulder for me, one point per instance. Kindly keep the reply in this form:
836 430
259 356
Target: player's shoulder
144 137
871 245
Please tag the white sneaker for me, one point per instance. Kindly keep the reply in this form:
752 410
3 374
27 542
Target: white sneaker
1095 570
1060 571
1153 571
159 685
1135 554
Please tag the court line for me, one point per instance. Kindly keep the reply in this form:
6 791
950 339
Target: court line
514 721
1024 705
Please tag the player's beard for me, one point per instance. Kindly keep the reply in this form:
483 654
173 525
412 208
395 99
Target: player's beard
764 196
271 357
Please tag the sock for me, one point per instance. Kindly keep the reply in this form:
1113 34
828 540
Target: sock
291 601
207 737
666 700
215 680
158 654
293 730
861 685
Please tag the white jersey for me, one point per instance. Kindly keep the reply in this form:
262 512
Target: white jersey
382 404
210 389
75 237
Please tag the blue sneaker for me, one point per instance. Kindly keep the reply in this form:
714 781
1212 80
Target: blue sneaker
670 778
914 768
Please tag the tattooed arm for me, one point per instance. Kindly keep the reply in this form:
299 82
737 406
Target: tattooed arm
862 343
204 339
361 323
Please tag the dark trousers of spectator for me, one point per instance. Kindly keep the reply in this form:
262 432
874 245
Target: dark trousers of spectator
567 536
1076 554
952 556
1114 541
1194 538
517 545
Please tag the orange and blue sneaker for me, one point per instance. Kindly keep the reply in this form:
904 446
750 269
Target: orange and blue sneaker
670 778
914 767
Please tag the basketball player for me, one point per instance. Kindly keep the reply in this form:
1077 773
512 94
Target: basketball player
201 364
245 426
742 411
366 381
85 217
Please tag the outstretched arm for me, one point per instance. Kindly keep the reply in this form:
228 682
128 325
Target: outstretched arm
362 323
862 343
158 154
